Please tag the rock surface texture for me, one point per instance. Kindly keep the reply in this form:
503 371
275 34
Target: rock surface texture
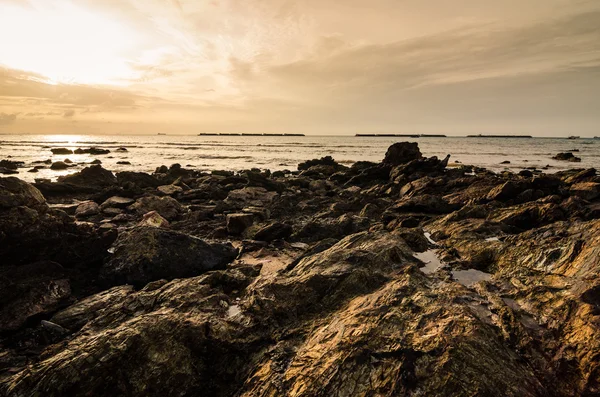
400 278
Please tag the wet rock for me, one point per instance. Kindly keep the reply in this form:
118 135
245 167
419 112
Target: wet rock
566 156
61 150
273 231
586 190
8 171
121 150
167 207
237 223
145 254
86 209
59 165
11 164
123 163
425 203
250 196
508 190
402 153
93 151
257 180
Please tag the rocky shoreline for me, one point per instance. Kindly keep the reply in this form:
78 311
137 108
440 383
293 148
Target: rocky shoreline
403 277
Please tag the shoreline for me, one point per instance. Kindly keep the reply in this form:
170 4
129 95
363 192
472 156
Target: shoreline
257 282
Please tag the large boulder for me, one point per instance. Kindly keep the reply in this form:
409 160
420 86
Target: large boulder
237 223
273 231
586 190
138 179
402 153
145 254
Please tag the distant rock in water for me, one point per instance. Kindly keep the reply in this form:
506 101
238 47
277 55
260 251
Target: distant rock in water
59 165
61 150
92 150
327 160
402 153
567 156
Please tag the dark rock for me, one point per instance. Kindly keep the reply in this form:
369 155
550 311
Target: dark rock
92 177
138 179
145 254
273 231
7 171
121 149
327 160
117 202
11 165
123 163
59 165
61 150
508 190
167 207
67 161
96 162
92 151
86 209
153 219
505 162
29 291
566 156
586 190
402 153
238 223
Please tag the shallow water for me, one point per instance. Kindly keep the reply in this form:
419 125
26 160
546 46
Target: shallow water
239 152
470 277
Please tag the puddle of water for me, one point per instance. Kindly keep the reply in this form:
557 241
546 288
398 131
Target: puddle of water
233 310
431 260
492 239
470 277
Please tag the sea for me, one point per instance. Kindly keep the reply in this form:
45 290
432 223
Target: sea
147 152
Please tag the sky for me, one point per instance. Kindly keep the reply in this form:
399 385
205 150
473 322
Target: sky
306 66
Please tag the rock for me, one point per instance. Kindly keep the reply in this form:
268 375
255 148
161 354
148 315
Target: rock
250 196
566 156
31 290
92 151
59 165
86 209
139 179
77 315
17 193
11 165
505 162
117 202
61 150
169 190
67 161
273 231
121 149
123 163
327 160
257 180
425 203
507 191
8 171
145 254
237 223
92 177
96 162
167 207
586 190
153 219
402 153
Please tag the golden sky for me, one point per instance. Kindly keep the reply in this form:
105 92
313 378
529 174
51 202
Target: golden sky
308 66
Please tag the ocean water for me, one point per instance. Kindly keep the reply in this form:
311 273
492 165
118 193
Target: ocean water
145 153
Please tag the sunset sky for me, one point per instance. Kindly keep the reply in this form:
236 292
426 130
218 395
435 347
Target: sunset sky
304 66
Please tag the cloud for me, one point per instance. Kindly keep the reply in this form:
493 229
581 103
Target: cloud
7 118
69 113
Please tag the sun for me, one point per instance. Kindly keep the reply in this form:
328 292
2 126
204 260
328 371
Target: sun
66 43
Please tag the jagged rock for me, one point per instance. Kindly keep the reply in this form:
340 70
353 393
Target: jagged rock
87 208
145 254
61 150
167 207
237 223
402 153
508 190
11 165
586 190
274 231
257 180
8 171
